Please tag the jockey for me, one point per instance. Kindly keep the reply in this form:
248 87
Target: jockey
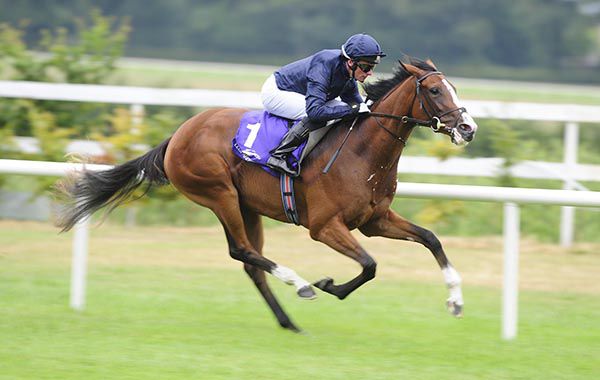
307 89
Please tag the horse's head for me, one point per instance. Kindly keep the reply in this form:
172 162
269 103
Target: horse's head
436 102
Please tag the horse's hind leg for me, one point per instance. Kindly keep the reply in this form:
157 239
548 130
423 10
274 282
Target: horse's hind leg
254 230
393 226
227 208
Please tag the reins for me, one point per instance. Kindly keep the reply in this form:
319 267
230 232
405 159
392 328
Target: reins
434 122
403 119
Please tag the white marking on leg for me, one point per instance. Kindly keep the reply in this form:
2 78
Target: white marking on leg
288 276
453 282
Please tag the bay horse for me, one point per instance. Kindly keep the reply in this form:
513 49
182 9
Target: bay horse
355 194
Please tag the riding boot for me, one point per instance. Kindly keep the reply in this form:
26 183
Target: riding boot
291 140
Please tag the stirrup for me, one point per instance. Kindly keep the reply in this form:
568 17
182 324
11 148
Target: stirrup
282 166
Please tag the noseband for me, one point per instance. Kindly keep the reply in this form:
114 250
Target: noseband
434 122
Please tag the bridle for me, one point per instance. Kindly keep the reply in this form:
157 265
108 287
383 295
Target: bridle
435 120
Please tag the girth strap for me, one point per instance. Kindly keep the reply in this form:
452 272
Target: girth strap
287 196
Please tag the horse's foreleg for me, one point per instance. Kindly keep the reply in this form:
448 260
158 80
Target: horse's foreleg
254 230
336 235
393 226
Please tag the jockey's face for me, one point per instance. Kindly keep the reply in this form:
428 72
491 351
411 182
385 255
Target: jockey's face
363 70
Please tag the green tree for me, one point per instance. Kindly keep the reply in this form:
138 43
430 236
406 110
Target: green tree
463 34
87 56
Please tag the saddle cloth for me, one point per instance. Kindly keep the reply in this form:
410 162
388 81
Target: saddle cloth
260 132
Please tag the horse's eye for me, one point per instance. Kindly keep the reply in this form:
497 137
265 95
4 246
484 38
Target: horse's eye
434 91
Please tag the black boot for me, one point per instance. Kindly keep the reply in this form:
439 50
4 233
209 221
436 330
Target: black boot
291 140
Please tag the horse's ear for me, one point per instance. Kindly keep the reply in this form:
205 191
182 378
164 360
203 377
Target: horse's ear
403 66
412 70
430 63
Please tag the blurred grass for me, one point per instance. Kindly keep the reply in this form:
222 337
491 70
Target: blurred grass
167 303
221 79
559 94
226 76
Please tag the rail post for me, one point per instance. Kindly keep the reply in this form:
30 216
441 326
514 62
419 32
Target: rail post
567 213
510 288
79 264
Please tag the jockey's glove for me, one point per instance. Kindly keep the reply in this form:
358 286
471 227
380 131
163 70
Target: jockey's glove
360 108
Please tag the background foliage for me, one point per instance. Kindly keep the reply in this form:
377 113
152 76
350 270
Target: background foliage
88 55
473 37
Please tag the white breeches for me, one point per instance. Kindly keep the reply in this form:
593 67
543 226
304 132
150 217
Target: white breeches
288 104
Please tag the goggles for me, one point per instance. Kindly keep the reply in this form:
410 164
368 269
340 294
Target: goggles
365 67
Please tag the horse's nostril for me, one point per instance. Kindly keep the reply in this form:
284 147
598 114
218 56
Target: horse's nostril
465 128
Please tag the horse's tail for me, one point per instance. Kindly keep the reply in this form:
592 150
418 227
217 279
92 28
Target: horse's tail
85 192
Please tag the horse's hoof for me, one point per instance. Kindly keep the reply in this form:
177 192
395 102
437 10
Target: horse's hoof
307 293
454 308
299 331
293 328
324 283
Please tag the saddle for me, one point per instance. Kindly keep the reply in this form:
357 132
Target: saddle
260 132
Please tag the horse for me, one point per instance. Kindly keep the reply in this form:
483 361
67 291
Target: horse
356 193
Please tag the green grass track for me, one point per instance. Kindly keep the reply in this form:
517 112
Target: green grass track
152 315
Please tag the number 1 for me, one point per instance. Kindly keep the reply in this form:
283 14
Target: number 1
252 136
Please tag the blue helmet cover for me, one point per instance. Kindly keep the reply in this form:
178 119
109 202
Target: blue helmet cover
362 46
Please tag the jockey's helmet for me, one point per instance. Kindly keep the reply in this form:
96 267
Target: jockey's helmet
363 47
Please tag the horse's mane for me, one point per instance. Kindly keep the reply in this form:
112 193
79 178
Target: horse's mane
378 89
375 91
